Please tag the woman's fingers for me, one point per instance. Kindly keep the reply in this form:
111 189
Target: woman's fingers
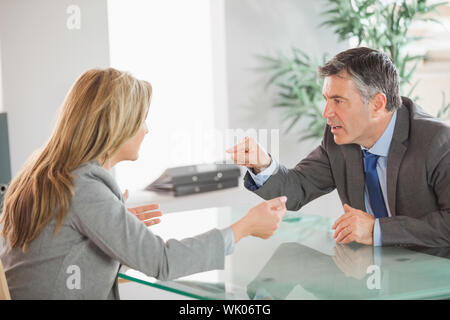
152 222
278 203
149 218
148 215
142 209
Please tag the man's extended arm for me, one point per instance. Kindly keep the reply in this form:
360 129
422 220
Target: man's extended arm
309 179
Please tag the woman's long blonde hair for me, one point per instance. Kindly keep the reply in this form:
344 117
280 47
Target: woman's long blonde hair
103 109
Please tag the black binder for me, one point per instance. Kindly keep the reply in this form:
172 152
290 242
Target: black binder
192 188
200 178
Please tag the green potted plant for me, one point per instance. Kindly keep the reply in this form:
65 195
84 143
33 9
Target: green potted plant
381 25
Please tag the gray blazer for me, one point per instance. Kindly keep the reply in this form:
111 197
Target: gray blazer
418 179
97 236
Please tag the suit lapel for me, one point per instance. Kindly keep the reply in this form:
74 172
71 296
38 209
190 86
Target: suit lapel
355 174
396 152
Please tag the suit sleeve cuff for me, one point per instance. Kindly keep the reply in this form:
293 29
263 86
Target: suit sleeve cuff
264 175
228 238
377 240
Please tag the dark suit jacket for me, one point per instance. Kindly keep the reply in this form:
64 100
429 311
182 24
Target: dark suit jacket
418 179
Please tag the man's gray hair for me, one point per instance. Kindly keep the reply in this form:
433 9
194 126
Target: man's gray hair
372 71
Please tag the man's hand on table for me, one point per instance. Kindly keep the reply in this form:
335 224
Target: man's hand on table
354 225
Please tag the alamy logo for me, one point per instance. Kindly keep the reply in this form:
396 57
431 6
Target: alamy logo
74 20
74 279
374 280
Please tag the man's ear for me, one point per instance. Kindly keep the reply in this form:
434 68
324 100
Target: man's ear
379 103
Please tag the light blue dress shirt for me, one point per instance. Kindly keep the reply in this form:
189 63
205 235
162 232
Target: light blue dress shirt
380 148
228 237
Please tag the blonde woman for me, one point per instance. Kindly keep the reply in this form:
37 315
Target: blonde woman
64 208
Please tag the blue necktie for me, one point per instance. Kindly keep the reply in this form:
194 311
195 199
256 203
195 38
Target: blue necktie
373 185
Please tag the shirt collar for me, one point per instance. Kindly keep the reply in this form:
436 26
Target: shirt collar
381 147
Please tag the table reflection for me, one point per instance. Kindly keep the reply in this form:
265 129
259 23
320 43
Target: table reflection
351 273
303 261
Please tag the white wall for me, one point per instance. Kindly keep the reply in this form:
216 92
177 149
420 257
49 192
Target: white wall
219 64
169 44
1 84
265 27
201 65
40 59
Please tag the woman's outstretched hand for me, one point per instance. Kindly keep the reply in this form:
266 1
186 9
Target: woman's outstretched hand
262 220
142 212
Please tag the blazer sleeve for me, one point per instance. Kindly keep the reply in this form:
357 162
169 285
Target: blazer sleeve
433 228
308 180
100 215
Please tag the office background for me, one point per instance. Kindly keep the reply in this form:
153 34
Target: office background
200 58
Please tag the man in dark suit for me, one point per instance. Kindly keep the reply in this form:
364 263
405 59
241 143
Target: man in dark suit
387 158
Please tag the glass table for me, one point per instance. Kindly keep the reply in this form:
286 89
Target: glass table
302 261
